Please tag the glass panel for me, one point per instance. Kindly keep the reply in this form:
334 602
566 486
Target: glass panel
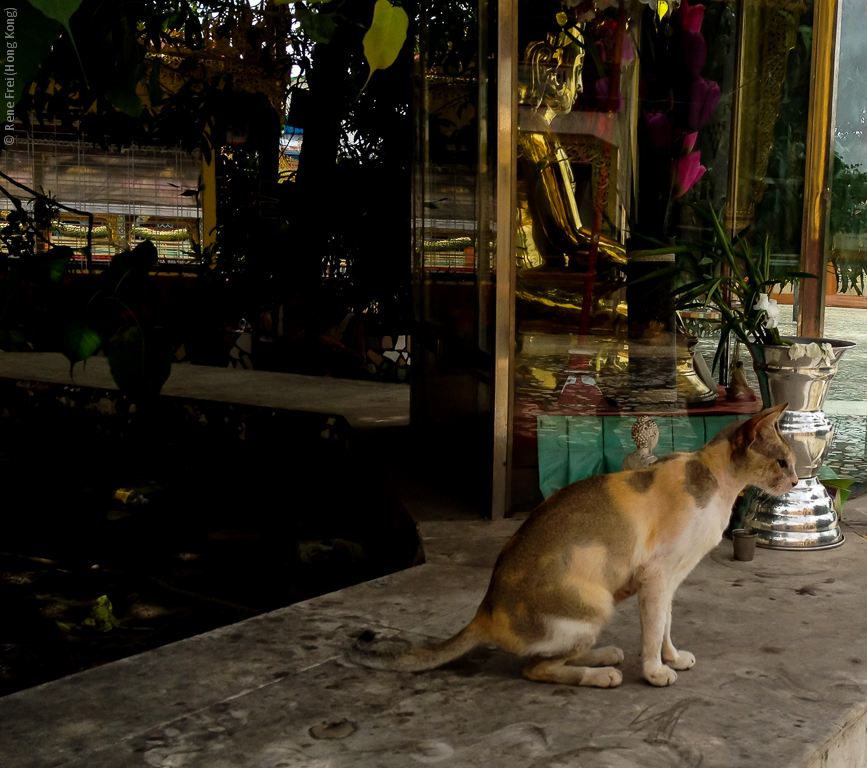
629 116
845 303
452 240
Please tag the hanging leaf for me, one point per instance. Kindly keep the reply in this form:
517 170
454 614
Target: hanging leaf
59 10
320 27
62 11
155 88
140 361
78 341
52 264
125 96
34 34
386 36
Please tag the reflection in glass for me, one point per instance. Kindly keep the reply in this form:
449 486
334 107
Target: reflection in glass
629 114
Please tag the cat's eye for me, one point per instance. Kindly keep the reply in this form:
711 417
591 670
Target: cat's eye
783 463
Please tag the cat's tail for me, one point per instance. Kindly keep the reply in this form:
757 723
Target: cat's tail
416 659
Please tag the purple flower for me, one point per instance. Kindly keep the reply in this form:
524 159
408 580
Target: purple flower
687 171
606 44
704 95
607 102
694 52
658 130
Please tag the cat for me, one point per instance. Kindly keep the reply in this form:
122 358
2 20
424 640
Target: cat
601 540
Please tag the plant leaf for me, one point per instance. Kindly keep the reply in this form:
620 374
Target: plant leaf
62 11
140 362
320 27
386 36
53 263
59 10
78 341
723 339
659 274
34 33
125 97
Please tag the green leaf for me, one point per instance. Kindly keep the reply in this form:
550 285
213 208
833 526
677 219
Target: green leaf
155 88
62 11
124 97
102 617
140 362
320 27
386 36
34 34
78 341
59 10
52 264
723 340
657 275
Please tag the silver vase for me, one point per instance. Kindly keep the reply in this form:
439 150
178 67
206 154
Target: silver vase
803 518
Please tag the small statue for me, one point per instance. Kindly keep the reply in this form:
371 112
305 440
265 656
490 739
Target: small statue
739 390
645 435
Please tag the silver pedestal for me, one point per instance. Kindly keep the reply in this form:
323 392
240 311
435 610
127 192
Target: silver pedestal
803 518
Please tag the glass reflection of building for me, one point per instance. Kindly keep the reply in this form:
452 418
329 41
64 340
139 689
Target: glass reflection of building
559 148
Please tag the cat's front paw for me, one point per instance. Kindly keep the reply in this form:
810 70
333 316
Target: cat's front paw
659 675
679 660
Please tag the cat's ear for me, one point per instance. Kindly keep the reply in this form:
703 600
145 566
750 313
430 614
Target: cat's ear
762 421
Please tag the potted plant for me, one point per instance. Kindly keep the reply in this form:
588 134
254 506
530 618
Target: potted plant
736 280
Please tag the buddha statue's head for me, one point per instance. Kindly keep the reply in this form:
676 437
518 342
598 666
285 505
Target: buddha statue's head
549 76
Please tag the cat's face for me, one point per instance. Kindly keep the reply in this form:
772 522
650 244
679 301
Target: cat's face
763 454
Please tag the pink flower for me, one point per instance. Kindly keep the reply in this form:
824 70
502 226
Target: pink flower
704 95
687 171
691 17
688 143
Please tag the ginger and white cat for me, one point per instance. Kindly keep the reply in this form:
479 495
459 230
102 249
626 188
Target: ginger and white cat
601 540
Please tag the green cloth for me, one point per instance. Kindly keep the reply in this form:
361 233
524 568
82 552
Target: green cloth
574 447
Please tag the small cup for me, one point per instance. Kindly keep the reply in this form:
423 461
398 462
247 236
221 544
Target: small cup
744 540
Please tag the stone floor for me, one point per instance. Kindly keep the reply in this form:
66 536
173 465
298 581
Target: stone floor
781 678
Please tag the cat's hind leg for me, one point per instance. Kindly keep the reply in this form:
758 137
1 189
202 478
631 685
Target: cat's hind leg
563 670
608 656
567 656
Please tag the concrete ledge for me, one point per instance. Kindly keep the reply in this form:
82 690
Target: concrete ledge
364 404
781 680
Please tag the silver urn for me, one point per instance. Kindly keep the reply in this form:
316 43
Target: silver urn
803 518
